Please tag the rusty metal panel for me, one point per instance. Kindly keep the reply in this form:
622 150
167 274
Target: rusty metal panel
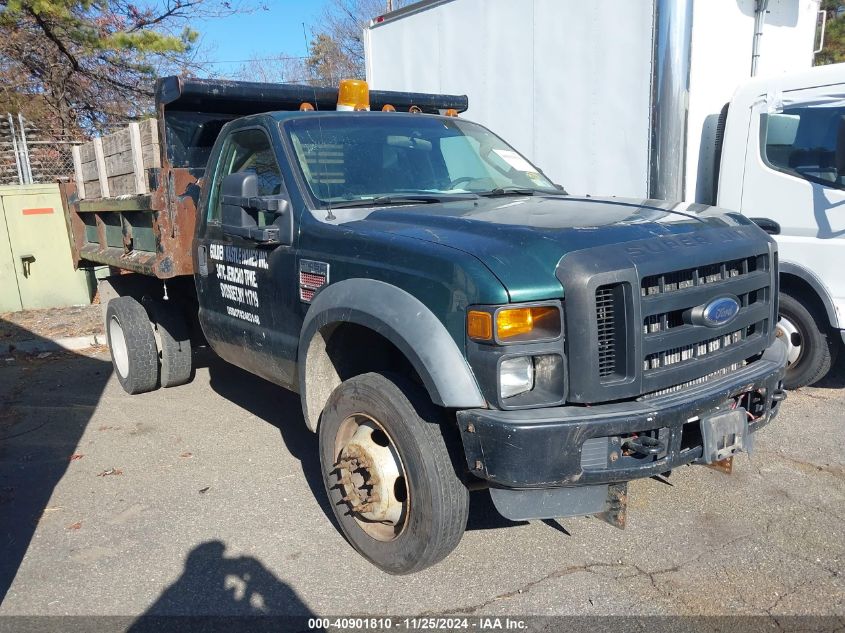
172 205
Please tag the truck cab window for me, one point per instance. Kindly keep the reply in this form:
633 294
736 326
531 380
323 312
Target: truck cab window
357 158
807 141
247 151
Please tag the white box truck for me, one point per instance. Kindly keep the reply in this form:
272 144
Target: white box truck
702 101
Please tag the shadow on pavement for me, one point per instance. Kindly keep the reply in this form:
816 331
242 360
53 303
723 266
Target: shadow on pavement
45 406
213 585
281 408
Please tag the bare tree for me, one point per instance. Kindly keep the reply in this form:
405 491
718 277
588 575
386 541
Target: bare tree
277 69
337 48
81 65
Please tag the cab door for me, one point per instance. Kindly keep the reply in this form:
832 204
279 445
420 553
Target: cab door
795 177
245 287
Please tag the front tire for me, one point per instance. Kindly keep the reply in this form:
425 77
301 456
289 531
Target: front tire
810 347
388 474
132 345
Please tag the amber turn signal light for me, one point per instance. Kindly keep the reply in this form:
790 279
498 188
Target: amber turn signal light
479 325
538 322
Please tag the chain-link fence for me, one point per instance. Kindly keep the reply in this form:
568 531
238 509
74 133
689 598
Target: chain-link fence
32 156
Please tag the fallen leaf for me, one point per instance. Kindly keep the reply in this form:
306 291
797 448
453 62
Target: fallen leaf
46 512
75 526
186 454
204 490
111 471
75 457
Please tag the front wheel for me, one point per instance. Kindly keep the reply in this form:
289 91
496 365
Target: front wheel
388 474
810 347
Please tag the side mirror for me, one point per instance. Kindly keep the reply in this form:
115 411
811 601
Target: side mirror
769 226
240 201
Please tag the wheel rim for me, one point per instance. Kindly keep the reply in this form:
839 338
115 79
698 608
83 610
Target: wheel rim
119 352
371 478
787 331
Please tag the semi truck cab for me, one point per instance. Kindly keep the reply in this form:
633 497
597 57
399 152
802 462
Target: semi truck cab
451 318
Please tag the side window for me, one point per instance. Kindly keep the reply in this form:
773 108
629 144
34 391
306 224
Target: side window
249 151
807 141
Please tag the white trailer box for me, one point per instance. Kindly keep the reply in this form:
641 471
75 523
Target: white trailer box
607 97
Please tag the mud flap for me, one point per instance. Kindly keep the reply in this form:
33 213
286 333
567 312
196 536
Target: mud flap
549 503
607 502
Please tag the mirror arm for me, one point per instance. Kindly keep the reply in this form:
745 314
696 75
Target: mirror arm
268 235
274 205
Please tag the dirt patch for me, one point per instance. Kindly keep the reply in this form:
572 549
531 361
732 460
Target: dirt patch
50 324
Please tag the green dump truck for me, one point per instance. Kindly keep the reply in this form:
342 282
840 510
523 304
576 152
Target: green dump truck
450 318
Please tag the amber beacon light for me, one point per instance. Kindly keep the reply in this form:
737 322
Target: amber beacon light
353 94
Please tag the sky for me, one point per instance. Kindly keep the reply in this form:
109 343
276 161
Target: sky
232 40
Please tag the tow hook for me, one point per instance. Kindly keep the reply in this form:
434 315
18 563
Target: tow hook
778 395
644 445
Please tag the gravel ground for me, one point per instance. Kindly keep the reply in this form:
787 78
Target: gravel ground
51 323
207 499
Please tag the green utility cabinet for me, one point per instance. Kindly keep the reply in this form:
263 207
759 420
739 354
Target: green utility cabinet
36 270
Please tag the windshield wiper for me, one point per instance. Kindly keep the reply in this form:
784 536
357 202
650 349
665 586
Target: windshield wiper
507 191
382 201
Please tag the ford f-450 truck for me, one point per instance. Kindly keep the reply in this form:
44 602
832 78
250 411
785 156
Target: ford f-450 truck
450 318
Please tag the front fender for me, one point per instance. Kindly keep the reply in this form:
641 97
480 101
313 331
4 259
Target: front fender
402 319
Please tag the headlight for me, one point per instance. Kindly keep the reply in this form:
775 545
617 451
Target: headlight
516 376
514 325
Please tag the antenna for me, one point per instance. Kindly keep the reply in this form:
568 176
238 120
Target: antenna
329 215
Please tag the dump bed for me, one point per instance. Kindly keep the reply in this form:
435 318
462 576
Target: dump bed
132 202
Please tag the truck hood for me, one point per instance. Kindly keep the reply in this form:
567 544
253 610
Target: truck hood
522 239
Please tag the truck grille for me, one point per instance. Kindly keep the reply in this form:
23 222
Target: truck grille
634 329
671 289
690 277
719 373
677 355
606 326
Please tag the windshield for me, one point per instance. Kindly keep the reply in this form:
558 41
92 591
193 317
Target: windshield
384 156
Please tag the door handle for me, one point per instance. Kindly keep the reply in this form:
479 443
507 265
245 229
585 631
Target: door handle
202 260
769 226
26 263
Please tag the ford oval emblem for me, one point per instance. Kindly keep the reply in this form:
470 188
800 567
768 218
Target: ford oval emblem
720 311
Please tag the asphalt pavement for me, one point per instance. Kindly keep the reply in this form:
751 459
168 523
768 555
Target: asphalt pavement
207 499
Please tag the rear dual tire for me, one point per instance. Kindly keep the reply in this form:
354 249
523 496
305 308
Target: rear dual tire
147 350
174 344
132 344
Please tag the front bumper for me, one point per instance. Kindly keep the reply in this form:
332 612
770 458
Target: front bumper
580 445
